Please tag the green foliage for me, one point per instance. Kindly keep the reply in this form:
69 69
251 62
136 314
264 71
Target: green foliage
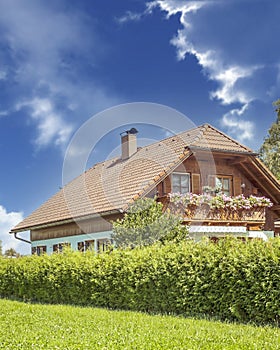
29 326
1 248
145 223
231 280
270 150
11 253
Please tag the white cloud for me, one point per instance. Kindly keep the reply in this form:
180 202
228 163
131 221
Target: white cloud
211 60
7 221
36 33
175 6
181 41
236 63
242 130
228 78
3 113
3 75
49 46
50 125
130 16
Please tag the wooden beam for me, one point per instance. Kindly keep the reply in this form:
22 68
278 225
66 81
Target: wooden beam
260 183
270 178
210 222
238 161
275 207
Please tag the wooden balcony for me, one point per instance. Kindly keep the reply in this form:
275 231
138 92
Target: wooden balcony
224 215
253 218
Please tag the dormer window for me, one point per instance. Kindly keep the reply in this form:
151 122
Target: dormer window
180 183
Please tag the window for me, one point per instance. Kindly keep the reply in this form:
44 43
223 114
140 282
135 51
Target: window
103 244
223 183
39 250
181 182
86 245
60 246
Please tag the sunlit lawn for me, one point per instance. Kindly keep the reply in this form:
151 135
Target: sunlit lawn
29 326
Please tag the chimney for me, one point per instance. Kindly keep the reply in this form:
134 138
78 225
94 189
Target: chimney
129 143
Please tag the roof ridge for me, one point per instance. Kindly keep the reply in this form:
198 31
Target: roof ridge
148 145
203 128
175 135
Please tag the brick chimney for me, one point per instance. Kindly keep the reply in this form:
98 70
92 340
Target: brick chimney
129 143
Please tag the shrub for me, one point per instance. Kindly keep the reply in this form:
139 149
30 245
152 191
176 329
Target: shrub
231 280
145 223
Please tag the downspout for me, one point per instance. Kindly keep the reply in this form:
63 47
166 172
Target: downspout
21 239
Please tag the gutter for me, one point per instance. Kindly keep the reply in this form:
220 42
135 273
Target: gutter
21 239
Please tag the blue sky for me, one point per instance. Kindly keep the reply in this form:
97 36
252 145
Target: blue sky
61 62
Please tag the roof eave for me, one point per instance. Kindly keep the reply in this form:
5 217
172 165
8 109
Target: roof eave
220 150
65 221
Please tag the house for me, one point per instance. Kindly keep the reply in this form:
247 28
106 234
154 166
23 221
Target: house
81 213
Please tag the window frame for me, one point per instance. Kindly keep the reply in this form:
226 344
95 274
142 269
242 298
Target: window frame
103 244
229 191
181 174
88 244
59 247
39 250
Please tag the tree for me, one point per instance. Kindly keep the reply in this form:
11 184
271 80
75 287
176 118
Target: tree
11 253
1 248
270 150
144 223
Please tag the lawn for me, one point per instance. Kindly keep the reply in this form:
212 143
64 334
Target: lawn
31 326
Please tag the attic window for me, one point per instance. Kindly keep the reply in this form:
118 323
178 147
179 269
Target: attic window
180 182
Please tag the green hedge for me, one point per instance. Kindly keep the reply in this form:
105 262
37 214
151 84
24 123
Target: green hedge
231 280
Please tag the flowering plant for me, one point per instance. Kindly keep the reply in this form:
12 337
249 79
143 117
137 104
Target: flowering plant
220 201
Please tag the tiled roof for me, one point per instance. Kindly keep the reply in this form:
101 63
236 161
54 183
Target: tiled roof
113 184
217 140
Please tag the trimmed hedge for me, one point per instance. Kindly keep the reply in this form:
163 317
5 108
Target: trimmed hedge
231 280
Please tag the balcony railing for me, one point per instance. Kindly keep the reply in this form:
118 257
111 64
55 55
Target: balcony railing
220 208
204 213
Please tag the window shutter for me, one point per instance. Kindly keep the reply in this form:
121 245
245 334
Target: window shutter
212 181
237 186
196 183
167 185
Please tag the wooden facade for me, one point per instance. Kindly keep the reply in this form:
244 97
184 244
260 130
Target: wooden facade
202 175
80 227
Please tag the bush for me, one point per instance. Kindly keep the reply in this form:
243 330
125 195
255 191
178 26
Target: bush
231 280
145 223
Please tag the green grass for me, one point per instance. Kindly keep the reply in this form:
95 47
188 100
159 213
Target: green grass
31 326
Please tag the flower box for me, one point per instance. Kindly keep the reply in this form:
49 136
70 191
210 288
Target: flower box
219 207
